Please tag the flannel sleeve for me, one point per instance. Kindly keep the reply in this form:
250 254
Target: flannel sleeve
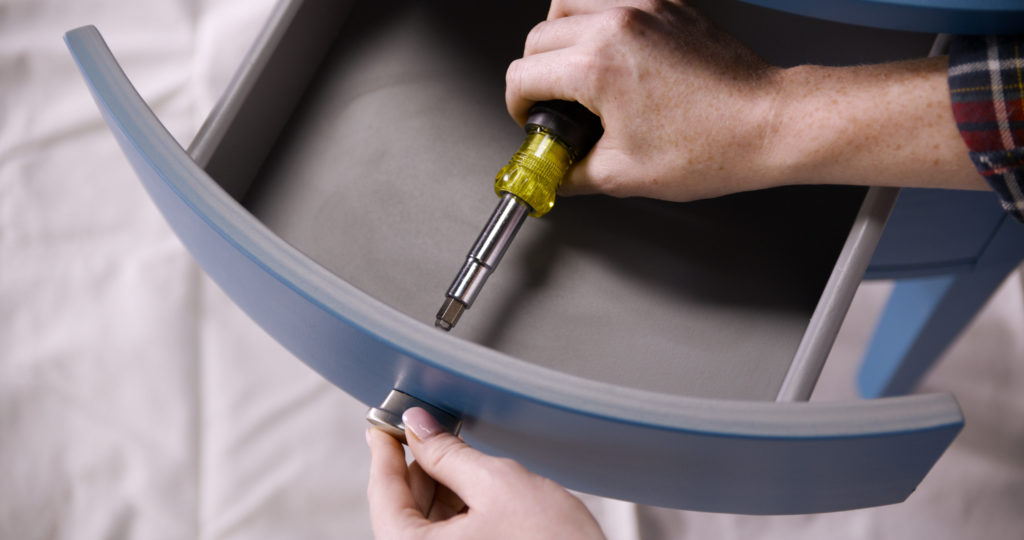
986 84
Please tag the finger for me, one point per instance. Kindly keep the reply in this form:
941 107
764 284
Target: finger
436 501
451 462
567 8
422 487
600 171
541 77
558 34
391 503
579 181
446 504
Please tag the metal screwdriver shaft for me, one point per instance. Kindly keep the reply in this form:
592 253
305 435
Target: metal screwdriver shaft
558 134
483 258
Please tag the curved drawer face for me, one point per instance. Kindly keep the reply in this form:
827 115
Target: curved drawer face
614 439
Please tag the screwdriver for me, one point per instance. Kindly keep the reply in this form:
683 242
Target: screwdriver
558 134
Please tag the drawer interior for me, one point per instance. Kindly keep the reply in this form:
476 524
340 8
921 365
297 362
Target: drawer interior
384 176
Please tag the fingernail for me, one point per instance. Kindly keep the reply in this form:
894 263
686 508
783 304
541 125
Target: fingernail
421 423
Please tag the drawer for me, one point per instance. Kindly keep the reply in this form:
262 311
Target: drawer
936 231
655 352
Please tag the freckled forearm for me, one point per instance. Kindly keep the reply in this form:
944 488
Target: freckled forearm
888 124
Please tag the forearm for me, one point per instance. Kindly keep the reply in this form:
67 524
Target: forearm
689 112
888 124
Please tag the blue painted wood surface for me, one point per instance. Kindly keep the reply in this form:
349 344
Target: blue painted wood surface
931 16
949 251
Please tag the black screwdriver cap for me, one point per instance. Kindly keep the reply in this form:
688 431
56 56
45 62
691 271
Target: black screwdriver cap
570 122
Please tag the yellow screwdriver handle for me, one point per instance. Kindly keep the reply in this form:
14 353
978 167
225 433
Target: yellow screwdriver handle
535 171
558 133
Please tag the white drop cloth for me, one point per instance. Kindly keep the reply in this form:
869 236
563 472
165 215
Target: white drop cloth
136 401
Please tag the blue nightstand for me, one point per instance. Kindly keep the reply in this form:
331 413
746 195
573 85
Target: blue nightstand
279 200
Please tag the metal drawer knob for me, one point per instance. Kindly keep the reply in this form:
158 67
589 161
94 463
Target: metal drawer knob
388 416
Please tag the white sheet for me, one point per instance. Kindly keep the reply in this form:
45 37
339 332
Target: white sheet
136 401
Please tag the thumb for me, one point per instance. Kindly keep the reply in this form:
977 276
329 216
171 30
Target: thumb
447 459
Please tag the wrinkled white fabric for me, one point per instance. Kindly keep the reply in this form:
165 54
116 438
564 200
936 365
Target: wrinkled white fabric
136 401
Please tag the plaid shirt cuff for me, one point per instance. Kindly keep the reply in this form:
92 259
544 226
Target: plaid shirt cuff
986 84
